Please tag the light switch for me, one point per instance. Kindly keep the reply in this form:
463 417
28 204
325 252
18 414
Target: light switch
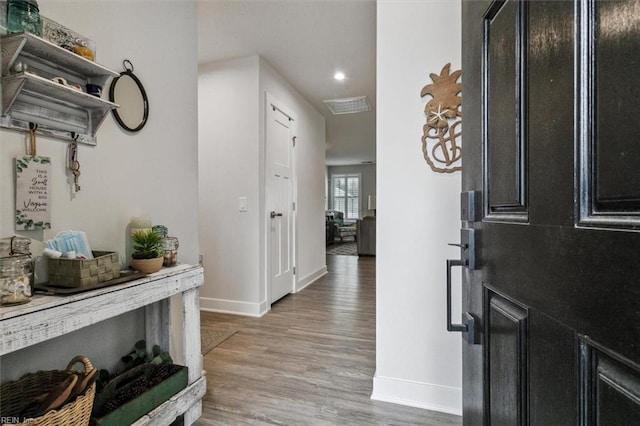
242 203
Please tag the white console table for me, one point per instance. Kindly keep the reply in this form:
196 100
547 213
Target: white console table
47 317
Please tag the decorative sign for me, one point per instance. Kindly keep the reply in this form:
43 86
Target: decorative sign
441 134
32 193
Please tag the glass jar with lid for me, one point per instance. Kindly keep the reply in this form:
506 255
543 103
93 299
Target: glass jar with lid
24 15
20 245
14 245
15 279
170 247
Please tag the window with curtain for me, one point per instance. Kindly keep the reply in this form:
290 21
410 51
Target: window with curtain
346 195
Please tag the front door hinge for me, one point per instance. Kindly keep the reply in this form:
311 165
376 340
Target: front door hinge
294 270
294 206
294 140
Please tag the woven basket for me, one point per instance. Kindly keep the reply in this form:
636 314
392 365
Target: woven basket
15 395
75 273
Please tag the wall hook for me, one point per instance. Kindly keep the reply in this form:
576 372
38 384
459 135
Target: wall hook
128 66
32 139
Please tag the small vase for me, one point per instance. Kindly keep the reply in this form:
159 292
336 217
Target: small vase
147 266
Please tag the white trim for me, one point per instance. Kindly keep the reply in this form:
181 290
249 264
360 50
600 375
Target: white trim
254 309
311 278
429 396
235 307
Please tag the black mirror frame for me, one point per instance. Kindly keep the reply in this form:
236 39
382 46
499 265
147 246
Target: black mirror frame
145 101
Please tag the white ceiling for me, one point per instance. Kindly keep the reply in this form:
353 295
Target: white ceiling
305 41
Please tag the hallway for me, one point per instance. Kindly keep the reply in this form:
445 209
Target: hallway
309 361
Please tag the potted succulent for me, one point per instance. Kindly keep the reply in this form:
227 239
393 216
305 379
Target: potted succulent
147 253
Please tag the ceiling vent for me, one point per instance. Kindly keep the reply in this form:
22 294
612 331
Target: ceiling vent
348 105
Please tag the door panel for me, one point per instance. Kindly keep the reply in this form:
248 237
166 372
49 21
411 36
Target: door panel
615 188
505 148
555 291
612 190
506 361
610 389
280 247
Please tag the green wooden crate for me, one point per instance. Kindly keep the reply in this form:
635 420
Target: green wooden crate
131 411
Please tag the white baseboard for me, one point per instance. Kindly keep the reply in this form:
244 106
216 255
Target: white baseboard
254 309
311 278
432 397
233 307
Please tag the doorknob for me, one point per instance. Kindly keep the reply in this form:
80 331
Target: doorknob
274 214
467 259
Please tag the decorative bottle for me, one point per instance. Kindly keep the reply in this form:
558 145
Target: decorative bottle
169 245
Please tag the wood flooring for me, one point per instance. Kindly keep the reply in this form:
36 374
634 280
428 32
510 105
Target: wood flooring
309 361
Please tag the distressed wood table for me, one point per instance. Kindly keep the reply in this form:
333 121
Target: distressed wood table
47 317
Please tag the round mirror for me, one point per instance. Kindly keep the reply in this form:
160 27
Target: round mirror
127 91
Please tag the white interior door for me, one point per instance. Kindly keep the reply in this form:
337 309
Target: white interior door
279 199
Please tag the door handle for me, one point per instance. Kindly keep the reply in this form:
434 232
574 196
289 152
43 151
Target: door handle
450 325
467 259
468 325
274 214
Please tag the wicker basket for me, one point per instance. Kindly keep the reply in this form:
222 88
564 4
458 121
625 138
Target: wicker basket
75 273
14 396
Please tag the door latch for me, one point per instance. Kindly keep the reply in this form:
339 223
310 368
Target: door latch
467 248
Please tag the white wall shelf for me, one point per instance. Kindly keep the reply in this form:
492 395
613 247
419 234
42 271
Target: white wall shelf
47 317
31 96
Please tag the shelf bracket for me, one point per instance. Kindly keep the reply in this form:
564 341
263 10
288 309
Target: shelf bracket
10 50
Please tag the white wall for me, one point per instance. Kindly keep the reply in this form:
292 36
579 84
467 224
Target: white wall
309 159
229 167
367 183
231 109
153 172
418 362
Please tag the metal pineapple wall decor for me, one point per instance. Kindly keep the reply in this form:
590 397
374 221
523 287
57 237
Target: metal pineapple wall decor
443 129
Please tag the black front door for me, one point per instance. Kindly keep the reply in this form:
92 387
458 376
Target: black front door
551 106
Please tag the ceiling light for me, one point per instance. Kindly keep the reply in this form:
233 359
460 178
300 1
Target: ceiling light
348 105
339 76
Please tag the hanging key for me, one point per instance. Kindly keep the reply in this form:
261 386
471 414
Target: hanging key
75 169
74 165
